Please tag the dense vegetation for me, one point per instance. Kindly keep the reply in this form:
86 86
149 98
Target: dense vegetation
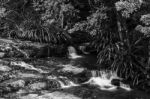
118 29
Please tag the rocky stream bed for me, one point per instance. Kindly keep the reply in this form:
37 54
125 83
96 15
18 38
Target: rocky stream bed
50 78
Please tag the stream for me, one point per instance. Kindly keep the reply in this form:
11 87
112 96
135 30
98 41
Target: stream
73 77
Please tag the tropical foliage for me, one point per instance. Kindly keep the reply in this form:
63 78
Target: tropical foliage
118 29
120 32
36 20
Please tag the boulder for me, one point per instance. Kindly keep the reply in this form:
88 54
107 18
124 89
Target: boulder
12 86
71 69
82 77
4 68
115 82
37 86
17 84
2 54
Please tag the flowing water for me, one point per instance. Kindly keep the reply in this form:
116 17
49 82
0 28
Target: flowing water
63 82
72 53
97 84
103 79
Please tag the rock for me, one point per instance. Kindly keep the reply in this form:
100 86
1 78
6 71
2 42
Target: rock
2 54
53 95
27 66
71 69
4 68
115 82
30 96
21 91
11 86
37 86
6 76
58 95
28 75
4 62
17 84
82 77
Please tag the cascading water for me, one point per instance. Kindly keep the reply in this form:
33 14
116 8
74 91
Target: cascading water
103 79
72 53
63 82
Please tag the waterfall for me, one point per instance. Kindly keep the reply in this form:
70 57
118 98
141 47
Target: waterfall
72 53
63 82
103 79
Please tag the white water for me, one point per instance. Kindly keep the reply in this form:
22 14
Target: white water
63 81
103 80
27 66
72 53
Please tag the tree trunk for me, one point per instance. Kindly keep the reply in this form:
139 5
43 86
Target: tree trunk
149 54
119 26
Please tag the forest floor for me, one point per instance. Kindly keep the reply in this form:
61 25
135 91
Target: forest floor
49 78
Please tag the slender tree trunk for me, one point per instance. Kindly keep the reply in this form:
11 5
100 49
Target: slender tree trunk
62 23
119 26
149 53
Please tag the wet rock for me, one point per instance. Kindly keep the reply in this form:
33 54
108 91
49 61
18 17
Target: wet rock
53 83
30 96
4 62
82 77
71 69
28 75
6 76
115 82
21 91
11 86
2 54
53 95
27 66
5 47
17 84
58 95
4 68
37 86
5 89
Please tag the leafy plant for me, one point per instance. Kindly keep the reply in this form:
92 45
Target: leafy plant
35 20
128 56
120 48
129 60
